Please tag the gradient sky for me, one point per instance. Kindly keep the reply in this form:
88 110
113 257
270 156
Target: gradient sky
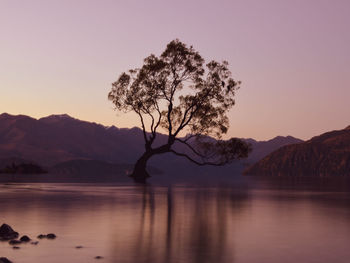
293 57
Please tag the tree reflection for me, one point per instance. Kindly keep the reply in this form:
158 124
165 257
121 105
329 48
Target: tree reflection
182 225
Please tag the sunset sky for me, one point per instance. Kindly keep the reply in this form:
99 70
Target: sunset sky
293 57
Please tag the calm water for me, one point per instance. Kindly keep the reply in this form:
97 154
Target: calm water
176 224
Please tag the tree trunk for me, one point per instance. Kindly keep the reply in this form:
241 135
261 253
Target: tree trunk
140 173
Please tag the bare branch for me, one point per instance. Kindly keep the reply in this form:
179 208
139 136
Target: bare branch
184 123
191 148
196 162
143 125
152 118
158 121
170 109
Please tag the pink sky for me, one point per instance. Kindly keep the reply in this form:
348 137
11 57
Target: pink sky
293 57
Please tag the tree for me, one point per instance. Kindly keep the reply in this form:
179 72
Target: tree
179 93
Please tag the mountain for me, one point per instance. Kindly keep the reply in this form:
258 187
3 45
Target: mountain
60 138
57 139
324 155
263 148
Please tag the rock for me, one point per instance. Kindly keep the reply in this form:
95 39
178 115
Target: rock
48 236
5 260
25 239
16 247
98 257
7 233
51 236
15 242
34 242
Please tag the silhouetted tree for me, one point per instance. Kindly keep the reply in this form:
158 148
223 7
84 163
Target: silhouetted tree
179 93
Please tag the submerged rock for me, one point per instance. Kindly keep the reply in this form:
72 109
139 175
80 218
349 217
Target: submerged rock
98 257
14 242
34 242
79 247
5 260
15 247
7 233
25 239
48 236
51 236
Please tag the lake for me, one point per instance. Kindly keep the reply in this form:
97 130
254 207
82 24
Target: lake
179 223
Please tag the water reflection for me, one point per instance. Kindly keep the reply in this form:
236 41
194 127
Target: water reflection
180 225
177 224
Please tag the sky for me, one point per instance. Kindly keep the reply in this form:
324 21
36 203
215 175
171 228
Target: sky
293 57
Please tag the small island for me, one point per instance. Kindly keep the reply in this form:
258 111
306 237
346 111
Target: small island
19 166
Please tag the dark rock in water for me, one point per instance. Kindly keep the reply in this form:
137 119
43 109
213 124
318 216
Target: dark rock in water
48 236
16 247
98 257
78 247
51 236
5 260
25 239
7 233
15 242
34 242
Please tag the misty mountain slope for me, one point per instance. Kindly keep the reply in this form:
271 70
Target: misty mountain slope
324 155
61 138
263 148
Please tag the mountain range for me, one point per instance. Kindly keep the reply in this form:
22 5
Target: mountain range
59 142
323 156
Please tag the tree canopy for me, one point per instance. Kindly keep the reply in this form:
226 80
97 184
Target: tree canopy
179 93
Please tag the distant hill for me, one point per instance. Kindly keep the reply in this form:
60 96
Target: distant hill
60 138
56 140
263 148
324 155
19 166
4 162
93 167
